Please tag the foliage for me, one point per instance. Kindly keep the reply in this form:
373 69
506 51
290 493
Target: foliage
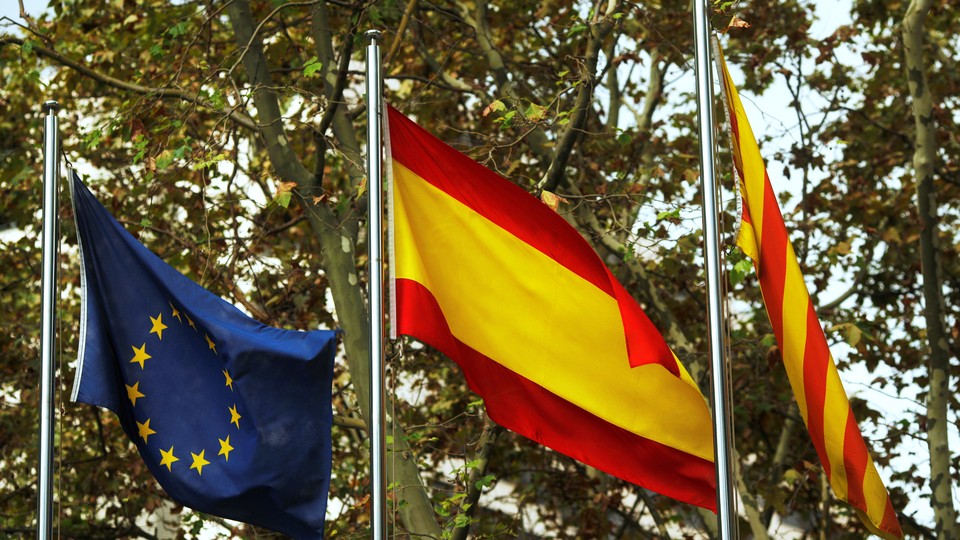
164 113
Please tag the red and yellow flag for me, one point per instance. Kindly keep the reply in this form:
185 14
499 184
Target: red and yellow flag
803 345
544 333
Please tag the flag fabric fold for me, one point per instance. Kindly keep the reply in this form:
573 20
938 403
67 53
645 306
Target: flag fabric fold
232 417
803 345
544 333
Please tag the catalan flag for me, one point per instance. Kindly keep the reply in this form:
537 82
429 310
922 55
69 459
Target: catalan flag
552 342
232 417
803 345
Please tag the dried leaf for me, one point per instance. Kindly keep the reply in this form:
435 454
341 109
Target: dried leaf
736 22
284 193
552 200
496 106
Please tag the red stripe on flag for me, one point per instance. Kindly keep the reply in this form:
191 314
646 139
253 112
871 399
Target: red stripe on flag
772 269
816 357
854 461
532 411
890 522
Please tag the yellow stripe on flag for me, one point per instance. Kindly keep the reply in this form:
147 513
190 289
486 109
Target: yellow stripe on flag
836 407
795 303
578 353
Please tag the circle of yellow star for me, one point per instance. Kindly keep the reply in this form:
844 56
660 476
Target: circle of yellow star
140 355
158 326
146 431
234 416
225 448
199 461
133 392
167 458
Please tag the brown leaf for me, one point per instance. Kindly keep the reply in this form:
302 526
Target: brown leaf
736 22
552 200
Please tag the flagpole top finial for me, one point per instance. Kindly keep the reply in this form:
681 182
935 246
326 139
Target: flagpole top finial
51 106
373 35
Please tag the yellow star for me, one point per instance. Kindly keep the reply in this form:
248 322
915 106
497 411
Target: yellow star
158 326
175 313
225 448
140 355
190 322
145 431
199 462
167 458
211 344
234 416
229 379
133 392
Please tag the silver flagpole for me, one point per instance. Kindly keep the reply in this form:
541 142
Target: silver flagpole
51 174
722 436
378 474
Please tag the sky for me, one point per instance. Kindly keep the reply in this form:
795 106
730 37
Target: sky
11 8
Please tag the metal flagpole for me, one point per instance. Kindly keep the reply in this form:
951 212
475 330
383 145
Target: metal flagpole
51 174
378 474
722 436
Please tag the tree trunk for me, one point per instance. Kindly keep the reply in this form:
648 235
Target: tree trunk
338 243
924 156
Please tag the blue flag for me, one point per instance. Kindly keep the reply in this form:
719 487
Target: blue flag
232 417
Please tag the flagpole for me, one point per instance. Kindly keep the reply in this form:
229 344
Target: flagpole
722 436
51 174
378 452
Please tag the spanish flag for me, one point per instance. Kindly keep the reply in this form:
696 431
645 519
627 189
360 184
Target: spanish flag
552 342
803 345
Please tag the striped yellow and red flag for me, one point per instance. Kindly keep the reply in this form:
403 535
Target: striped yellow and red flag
552 342
803 345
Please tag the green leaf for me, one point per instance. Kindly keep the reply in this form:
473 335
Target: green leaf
669 215
165 160
485 482
740 271
312 67
535 112
178 29
92 139
208 161
506 120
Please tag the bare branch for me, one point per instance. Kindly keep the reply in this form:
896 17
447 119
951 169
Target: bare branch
487 443
173 93
599 30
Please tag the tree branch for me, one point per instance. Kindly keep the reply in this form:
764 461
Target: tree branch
599 30
487 443
172 93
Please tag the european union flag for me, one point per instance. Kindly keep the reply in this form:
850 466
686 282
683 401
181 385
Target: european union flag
232 417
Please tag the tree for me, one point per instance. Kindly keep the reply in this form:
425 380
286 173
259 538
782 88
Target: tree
924 160
228 137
